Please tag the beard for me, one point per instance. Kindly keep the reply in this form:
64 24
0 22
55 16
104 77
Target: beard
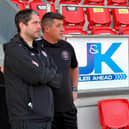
33 35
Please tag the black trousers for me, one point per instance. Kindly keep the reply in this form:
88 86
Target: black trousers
30 124
65 120
4 120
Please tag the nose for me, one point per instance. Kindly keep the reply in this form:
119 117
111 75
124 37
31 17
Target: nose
39 26
62 28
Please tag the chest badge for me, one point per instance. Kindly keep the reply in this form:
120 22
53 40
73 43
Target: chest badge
65 55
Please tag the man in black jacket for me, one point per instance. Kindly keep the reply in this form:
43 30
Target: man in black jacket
29 76
4 123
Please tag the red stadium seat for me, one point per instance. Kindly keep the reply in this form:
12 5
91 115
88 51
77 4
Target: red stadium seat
74 20
99 21
41 8
52 4
121 20
93 2
70 1
114 113
51 1
20 5
117 2
26 2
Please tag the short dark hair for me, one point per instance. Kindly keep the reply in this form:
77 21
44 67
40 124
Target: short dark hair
23 16
48 18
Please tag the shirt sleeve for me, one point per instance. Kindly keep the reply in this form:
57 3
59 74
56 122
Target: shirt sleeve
74 62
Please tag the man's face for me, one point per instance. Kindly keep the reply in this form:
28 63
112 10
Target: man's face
33 27
56 30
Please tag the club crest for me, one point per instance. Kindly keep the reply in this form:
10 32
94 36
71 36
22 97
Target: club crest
65 55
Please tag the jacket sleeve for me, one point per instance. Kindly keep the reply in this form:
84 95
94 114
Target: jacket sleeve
56 81
22 65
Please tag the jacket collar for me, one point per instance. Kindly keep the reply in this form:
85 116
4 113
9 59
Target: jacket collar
19 39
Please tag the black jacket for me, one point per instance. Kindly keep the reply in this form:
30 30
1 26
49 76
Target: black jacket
1 79
29 77
4 123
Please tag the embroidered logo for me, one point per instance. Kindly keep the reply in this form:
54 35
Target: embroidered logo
65 55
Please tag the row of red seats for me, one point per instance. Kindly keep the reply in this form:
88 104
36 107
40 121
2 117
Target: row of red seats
22 3
37 5
99 19
109 2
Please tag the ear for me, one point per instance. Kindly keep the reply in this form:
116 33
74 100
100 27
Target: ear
21 25
46 29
